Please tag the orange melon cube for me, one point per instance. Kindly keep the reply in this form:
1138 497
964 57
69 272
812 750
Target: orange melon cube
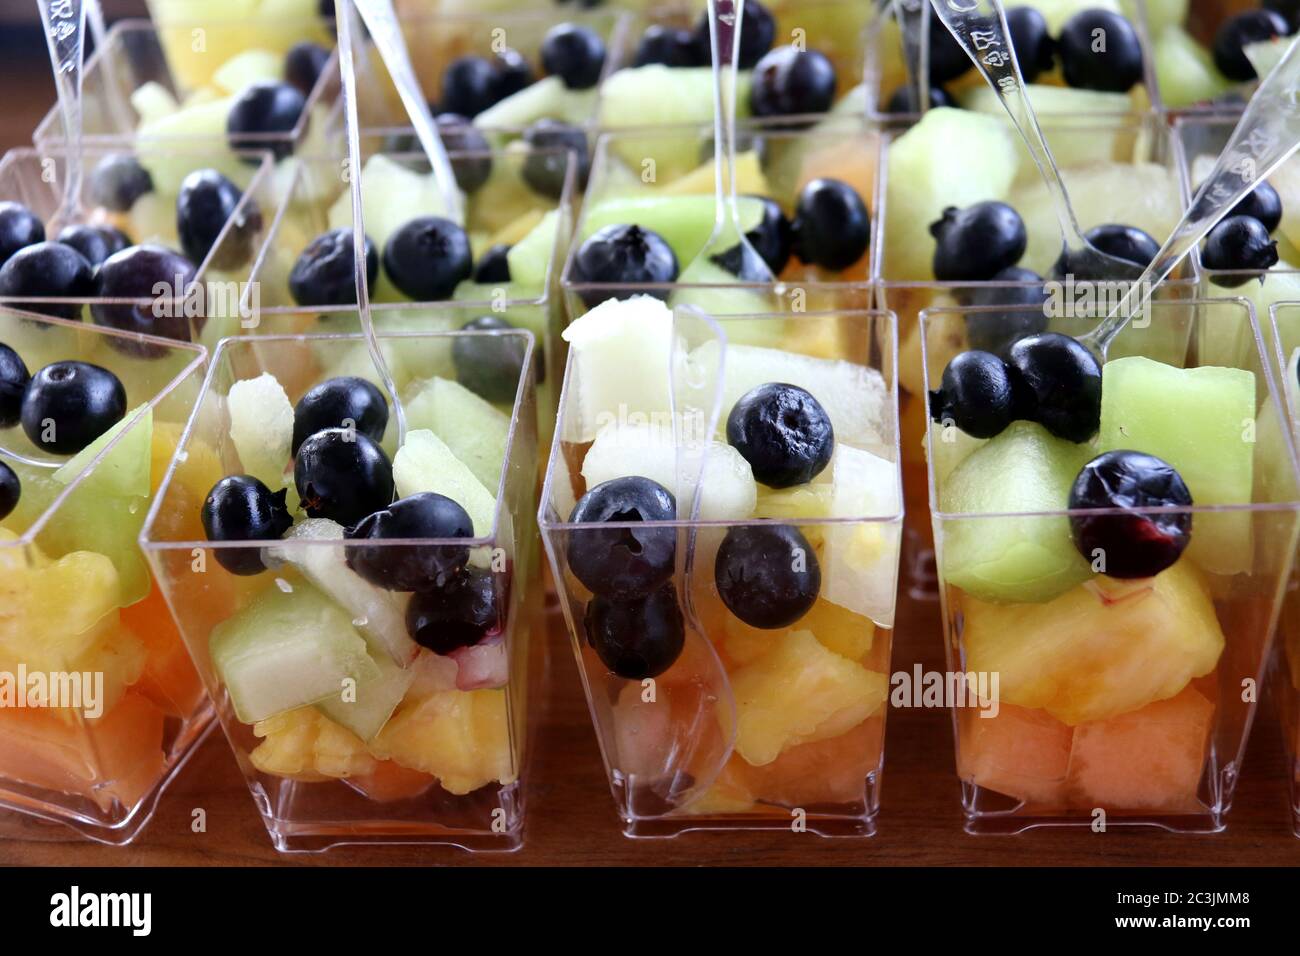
831 771
1022 753
169 678
390 781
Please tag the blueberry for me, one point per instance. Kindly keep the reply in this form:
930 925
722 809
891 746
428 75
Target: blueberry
767 574
903 99
459 135
637 638
461 613
575 54
788 81
1262 203
19 228
977 394
1114 66
493 265
1061 384
783 432
342 475
13 383
1240 31
771 239
615 255
303 65
757 33
1024 309
95 243
976 243
1031 40
831 227
11 489
665 45
469 86
1142 541
263 116
118 180
947 59
342 402
623 563
427 258
206 202
241 508
513 73
133 274
1128 243
48 270
325 273
1239 243
67 405
489 365
421 517
545 171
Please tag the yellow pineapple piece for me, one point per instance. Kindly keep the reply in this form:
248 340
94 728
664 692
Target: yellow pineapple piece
837 629
699 181
726 795
516 229
460 737
797 692
304 744
1105 648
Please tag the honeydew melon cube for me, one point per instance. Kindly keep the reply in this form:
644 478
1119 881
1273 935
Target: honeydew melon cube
152 101
1069 147
684 222
1160 14
425 463
860 561
365 709
475 430
1200 420
1266 54
156 145
657 95
1020 554
530 257
1185 70
391 196
124 471
548 98
285 650
244 69
261 427
1056 12
716 294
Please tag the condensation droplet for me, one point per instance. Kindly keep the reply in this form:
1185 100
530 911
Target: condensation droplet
284 585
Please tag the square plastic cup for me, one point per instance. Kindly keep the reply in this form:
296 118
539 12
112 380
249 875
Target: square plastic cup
1089 699
168 87
706 720
99 704
505 208
347 731
656 95
662 180
199 308
1051 95
1284 686
435 41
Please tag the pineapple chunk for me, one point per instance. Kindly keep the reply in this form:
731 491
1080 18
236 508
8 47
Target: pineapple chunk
1101 649
304 744
261 427
799 692
847 634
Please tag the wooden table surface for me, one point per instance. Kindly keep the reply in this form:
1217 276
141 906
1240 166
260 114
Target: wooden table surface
570 813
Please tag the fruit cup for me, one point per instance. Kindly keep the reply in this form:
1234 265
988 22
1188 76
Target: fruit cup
649 210
665 77
203 85
376 692
166 248
1112 554
101 705
734 650
1056 50
519 211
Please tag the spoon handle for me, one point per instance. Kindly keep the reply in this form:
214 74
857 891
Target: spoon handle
724 36
1267 133
65 33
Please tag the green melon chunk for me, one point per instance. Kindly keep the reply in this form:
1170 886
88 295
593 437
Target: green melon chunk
475 430
244 69
1026 556
126 469
684 222
425 463
548 98
657 95
392 195
530 257
366 708
1185 71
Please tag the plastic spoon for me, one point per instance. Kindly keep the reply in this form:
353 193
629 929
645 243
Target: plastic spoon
348 70
980 26
728 238
915 27
65 33
386 33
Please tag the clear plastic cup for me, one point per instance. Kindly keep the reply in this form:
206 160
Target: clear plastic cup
745 724
102 706
1097 700
367 737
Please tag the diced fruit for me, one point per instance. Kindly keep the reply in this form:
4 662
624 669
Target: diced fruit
475 430
1150 759
304 744
393 195
649 450
377 613
460 737
829 771
658 95
391 781
860 559
125 471
261 427
847 634
1160 14
1198 420
684 222
1101 649
699 181
1020 555
1068 147
1057 12
426 463
1016 751
1185 70
530 257
152 101
1266 54
797 693
365 708
247 68
169 679
921 184
482 666
156 141
287 649
548 98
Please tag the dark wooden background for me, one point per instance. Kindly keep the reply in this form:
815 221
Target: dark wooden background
571 819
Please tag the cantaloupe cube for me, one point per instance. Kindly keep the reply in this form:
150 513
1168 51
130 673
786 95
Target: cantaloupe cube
830 771
1019 752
